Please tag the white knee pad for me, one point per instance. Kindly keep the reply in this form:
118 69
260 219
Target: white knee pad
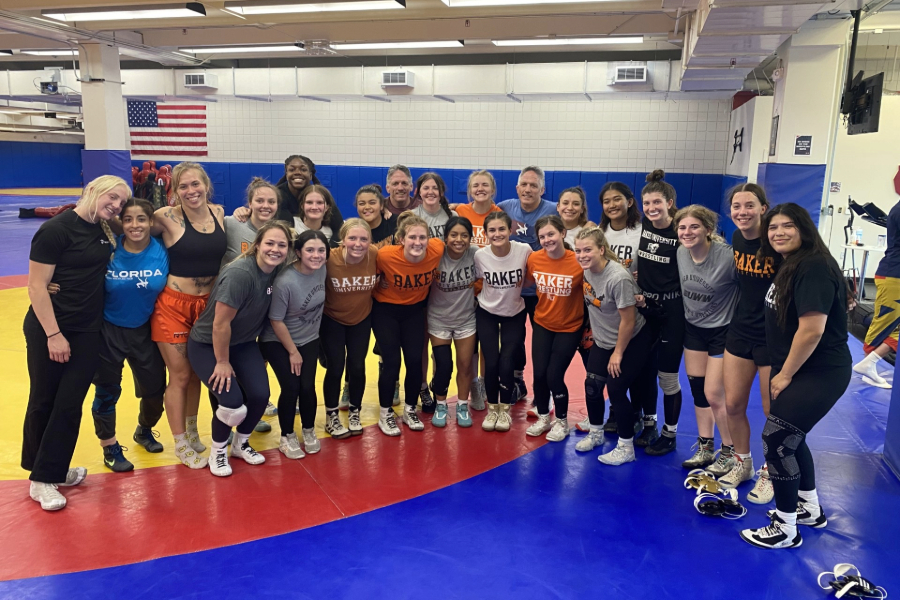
231 416
669 383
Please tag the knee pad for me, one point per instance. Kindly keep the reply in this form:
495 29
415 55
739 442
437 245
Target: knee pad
443 369
780 443
697 385
105 399
668 382
593 387
231 416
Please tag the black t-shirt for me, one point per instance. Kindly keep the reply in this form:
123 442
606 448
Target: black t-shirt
385 230
80 251
657 268
749 321
290 206
817 288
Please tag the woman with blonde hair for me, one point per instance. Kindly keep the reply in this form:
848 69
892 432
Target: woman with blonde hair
62 333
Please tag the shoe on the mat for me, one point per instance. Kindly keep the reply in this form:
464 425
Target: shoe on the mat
559 431
648 436
520 390
741 471
334 427
504 419
146 437
723 463
74 476
463 417
618 456
776 535
490 420
290 446
310 441
271 410
428 402
412 419
48 495
611 426
702 457
114 459
246 453
662 446
594 439
478 393
539 427
262 427
533 411
218 462
396 401
344 402
353 422
388 425
193 438
762 492
440 415
584 425
810 515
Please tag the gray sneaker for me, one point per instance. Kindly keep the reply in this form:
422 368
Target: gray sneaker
310 441
702 457
723 463
741 471
478 394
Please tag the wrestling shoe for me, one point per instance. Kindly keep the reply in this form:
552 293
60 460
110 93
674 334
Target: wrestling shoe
559 431
662 446
594 439
490 420
388 425
246 453
762 492
262 427
463 417
440 415
648 436
428 402
478 393
412 419
618 456
504 419
353 422
218 462
741 471
271 410
311 443
74 476
703 456
334 427
723 463
146 437
290 447
47 494
539 427
533 411
114 459
775 535
584 425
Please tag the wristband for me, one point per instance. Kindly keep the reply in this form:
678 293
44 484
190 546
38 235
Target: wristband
50 336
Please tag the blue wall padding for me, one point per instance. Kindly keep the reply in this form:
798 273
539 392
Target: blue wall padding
38 164
801 184
95 163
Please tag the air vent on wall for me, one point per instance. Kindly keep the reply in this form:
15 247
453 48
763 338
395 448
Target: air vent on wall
630 74
398 79
201 80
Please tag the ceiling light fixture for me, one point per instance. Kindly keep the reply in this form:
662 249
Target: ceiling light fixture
66 52
267 8
7 52
398 45
471 3
126 13
569 41
298 47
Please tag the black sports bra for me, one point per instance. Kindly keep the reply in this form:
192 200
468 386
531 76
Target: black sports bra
198 254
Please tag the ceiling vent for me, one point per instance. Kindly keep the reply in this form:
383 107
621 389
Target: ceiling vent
629 74
201 80
398 80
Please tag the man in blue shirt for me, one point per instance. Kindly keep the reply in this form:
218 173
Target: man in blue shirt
525 212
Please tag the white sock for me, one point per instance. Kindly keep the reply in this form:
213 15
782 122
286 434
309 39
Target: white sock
408 408
789 519
240 438
743 457
458 401
179 438
672 429
597 428
385 412
810 497
870 360
650 418
219 446
444 402
629 443
190 423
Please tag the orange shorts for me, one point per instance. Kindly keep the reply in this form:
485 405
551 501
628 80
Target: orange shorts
174 315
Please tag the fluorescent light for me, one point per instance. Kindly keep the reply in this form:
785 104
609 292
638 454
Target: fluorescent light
126 13
8 52
242 49
398 45
569 41
314 7
66 52
469 3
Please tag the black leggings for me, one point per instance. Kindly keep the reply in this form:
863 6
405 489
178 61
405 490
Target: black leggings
793 414
521 355
399 327
250 386
500 339
551 354
669 351
637 368
293 387
55 399
337 342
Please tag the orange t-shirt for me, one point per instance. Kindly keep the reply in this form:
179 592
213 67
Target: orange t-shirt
348 288
468 211
560 305
403 282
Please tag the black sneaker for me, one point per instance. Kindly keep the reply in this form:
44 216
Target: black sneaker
520 390
146 437
611 425
115 460
662 446
776 535
428 403
648 436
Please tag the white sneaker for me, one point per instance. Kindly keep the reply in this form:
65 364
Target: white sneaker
504 419
559 431
762 492
584 425
539 427
335 428
388 425
290 446
246 453
533 411
741 471
218 462
723 463
47 495
74 476
353 422
490 420
310 441
271 410
619 455
412 419
594 439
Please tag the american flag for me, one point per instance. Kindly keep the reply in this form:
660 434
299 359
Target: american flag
159 129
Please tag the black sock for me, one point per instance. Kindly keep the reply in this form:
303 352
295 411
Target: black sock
727 450
705 441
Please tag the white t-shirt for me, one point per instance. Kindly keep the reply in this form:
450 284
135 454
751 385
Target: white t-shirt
571 234
503 277
625 244
300 227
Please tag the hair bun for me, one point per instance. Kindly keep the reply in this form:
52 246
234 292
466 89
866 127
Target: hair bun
377 187
657 175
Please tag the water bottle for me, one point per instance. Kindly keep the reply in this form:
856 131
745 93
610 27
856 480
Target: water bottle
858 237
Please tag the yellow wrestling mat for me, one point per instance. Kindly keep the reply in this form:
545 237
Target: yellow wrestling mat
14 373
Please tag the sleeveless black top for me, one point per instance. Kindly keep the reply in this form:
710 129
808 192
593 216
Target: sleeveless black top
198 254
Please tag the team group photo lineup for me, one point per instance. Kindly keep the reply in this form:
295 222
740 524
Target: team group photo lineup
457 297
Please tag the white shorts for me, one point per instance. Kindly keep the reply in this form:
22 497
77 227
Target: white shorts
460 333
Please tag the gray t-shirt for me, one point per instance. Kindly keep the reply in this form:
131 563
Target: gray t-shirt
239 237
710 289
246 287
451 304
435 222
298 301
605 293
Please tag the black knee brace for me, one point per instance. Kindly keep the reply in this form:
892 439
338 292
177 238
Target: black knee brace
443 369
593 387
697 385
780 443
